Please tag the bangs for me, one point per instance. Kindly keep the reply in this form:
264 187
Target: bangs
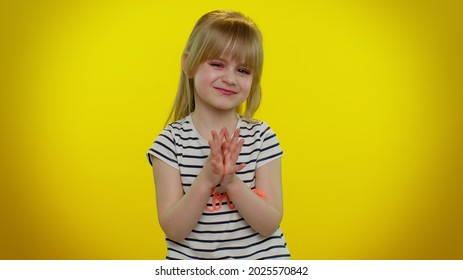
238 44
231 37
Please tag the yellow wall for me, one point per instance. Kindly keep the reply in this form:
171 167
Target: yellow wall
365 98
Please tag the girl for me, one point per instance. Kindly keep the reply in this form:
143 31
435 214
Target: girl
217 171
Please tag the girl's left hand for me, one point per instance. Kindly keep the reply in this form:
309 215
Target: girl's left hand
231 149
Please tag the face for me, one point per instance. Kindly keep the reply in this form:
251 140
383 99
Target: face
222 84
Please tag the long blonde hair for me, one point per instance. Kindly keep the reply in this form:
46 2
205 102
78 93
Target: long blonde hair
214 34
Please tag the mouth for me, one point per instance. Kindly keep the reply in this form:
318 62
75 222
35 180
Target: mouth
225 91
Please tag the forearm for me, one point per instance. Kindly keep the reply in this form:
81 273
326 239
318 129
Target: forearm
260 214
178 221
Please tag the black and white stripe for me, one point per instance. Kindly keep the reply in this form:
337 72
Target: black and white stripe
223 234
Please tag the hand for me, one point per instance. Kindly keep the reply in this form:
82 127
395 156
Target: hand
231 149
214 166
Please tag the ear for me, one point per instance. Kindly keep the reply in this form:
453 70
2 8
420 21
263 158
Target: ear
184 64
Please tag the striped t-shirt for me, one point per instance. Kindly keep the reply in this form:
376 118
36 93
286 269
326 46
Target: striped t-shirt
221 232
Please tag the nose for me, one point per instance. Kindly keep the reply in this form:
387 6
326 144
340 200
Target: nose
228 77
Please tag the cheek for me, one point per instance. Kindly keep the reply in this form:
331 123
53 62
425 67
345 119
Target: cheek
246 85
203 79
200 82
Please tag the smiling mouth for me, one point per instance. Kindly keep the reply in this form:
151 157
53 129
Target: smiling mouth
225 91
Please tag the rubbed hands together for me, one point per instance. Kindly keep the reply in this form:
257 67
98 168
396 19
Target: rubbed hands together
225 150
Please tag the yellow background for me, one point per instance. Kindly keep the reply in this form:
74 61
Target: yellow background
366 98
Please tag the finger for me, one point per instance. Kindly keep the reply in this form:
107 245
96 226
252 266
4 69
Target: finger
237 132
231 142
213 143
239 145
226 138
235 147
225 147
239 167
227 162
236 135
213 148
218 138
214 135
237 150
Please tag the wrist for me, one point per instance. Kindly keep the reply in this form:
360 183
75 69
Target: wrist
206 182
229 181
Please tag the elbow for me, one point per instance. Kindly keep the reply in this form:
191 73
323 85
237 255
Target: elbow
175 237
173 234
266 233
267 230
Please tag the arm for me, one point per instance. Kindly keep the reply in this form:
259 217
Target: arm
262 215
179 213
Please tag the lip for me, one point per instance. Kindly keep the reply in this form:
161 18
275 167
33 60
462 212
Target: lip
225 91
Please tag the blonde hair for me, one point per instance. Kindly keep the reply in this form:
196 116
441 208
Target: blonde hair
215 34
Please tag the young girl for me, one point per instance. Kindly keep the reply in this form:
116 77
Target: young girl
217 171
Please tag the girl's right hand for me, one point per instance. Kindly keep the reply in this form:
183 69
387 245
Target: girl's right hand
214 167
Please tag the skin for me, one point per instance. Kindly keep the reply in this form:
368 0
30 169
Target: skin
220 88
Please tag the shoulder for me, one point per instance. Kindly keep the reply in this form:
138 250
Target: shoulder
256 129
177 129
180 126
260 141
166 143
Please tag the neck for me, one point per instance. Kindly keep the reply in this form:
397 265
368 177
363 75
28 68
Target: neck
206 121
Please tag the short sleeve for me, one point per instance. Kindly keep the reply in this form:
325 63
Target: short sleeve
270 149
164 149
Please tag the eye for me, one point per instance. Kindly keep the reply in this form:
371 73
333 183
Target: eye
216 64
244 70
